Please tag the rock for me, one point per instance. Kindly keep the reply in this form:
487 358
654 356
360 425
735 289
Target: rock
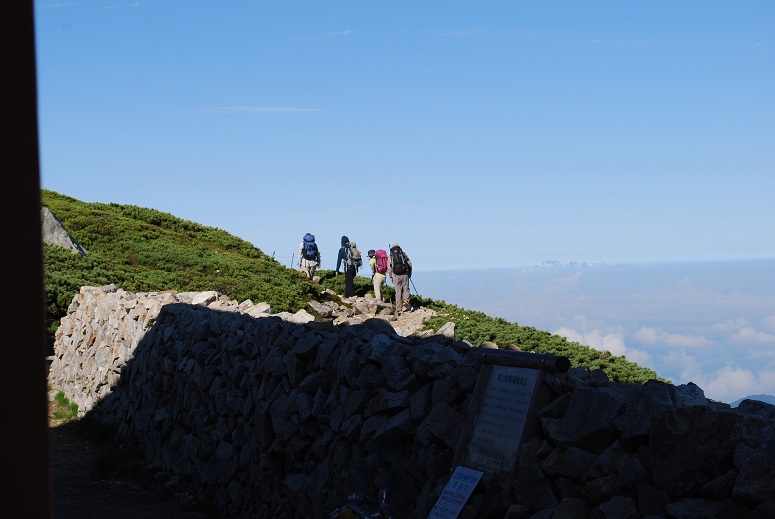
322 310
756 480
259 310
691 446
205 298
448 330
54 233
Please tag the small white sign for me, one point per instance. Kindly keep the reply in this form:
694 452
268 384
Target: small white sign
456 493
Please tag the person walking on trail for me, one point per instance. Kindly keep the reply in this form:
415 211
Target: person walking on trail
378 261
400 270
309 256
351 257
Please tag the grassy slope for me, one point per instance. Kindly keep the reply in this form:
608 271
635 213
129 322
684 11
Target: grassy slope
144 250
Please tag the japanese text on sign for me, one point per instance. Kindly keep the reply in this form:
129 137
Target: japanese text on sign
501 418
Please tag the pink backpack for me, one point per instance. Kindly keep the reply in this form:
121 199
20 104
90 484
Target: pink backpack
382 261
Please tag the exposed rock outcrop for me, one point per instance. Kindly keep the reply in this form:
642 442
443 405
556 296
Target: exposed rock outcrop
284 416
54 233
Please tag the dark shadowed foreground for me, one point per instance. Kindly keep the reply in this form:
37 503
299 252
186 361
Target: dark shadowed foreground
92 477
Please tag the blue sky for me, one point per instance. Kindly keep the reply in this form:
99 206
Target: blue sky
478 135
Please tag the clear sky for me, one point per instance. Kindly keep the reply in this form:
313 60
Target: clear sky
476 134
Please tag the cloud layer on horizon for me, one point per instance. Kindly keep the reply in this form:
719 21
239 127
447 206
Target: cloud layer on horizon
689 323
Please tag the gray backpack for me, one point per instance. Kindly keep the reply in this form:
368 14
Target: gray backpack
353 256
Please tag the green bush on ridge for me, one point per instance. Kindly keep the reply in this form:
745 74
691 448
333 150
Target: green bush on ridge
477 327
144 250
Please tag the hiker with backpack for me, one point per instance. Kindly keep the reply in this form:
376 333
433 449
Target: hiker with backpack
400 270
309 256
351 257
378 261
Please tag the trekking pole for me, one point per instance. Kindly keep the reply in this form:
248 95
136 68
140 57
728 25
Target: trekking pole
414 287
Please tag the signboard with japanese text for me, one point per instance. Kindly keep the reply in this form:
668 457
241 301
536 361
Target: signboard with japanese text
502 405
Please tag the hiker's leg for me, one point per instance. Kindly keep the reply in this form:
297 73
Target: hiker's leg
378 282
402 290
349 285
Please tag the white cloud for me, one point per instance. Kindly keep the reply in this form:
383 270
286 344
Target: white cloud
689 365
729 327
595 335
612 342
724 384
641 358
759 355
750 334
769 322
732 383
680 368
741 330
648 336
656 336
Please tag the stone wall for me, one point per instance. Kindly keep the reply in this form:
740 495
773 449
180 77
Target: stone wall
284 416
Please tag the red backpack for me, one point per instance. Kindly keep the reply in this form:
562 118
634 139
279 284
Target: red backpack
382 261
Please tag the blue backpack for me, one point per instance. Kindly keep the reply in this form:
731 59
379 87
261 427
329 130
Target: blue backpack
310 249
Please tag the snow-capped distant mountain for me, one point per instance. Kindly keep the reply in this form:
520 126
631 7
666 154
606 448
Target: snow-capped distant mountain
566 264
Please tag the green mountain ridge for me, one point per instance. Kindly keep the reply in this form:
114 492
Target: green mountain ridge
144 250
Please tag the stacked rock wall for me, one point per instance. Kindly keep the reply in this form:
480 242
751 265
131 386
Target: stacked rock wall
273 418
